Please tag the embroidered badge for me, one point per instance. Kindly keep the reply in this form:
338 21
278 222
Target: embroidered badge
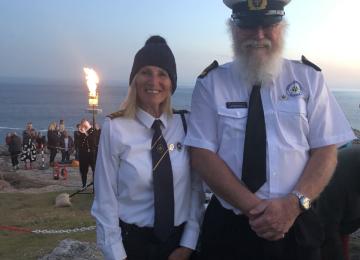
179 146
160 149
255 5
294 89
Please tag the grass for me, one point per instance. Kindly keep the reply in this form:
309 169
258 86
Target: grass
37 211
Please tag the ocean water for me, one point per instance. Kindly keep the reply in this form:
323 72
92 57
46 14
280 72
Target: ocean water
44 103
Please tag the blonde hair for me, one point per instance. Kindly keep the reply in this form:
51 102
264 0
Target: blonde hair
129 106
52 126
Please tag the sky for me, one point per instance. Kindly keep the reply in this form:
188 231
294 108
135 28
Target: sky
54 40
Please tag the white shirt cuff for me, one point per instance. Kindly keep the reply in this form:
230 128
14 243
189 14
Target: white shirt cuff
190 236
114 252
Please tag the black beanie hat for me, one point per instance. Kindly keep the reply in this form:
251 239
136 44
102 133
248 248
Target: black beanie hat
157 53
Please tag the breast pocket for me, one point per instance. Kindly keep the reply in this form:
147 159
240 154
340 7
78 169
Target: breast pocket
231 127
293 121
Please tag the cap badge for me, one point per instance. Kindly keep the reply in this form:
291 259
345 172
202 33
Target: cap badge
255 5
294 89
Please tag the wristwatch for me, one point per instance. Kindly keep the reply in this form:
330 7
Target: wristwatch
304 202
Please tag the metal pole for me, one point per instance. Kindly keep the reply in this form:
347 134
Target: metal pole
93 112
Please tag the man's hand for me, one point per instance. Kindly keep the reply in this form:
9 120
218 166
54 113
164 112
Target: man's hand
272 219
180 253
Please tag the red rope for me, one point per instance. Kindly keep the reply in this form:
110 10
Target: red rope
16 229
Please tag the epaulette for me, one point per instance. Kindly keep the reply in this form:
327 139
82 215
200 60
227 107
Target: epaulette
305 61
182 113
116 114
209 68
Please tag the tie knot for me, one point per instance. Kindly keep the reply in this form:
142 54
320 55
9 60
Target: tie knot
156 125
256 87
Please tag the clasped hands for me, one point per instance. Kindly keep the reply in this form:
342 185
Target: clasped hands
271 219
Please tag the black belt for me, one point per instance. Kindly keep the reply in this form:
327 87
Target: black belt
126 227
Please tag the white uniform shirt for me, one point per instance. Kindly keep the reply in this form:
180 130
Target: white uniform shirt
300 114
124 184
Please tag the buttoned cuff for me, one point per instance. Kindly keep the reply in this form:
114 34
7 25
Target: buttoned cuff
114 252
190 236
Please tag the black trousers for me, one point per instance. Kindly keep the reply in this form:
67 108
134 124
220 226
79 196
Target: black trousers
53 153
226 235
65 156
86 159
141 244
14 158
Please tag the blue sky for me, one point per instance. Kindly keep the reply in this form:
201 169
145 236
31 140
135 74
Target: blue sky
50 39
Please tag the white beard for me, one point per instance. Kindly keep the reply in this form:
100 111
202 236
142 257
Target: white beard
257 71
256 68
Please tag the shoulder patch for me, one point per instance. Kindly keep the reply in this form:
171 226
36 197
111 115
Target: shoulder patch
305 61
209 68
116 114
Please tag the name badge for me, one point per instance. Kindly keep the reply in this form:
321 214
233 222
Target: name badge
232 105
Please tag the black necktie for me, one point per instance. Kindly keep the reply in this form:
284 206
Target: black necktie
254 159
163 185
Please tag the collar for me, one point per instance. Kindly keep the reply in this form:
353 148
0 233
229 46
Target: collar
147 120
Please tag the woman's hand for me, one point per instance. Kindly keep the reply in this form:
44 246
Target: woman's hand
181 253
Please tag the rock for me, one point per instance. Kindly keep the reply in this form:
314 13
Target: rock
62 200
69 249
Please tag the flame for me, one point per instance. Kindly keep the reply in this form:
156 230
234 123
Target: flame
92 80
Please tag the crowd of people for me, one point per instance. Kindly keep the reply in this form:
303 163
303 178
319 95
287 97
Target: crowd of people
82 143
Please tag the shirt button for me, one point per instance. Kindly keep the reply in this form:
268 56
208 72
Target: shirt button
274 173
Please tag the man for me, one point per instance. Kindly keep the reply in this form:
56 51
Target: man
263 132
67 146
15 149
87 150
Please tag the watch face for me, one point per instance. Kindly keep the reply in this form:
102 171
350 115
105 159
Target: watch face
305 203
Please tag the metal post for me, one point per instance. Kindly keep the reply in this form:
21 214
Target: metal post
93 112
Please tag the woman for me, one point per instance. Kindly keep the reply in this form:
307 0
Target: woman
28 154
53 141
159 218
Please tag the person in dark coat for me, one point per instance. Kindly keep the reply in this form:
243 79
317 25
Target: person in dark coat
15 149
27 132
87 149
53 141
339 205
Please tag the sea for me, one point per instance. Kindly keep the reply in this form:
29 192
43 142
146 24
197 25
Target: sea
42 103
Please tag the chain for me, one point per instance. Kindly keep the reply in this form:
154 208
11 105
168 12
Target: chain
63 231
